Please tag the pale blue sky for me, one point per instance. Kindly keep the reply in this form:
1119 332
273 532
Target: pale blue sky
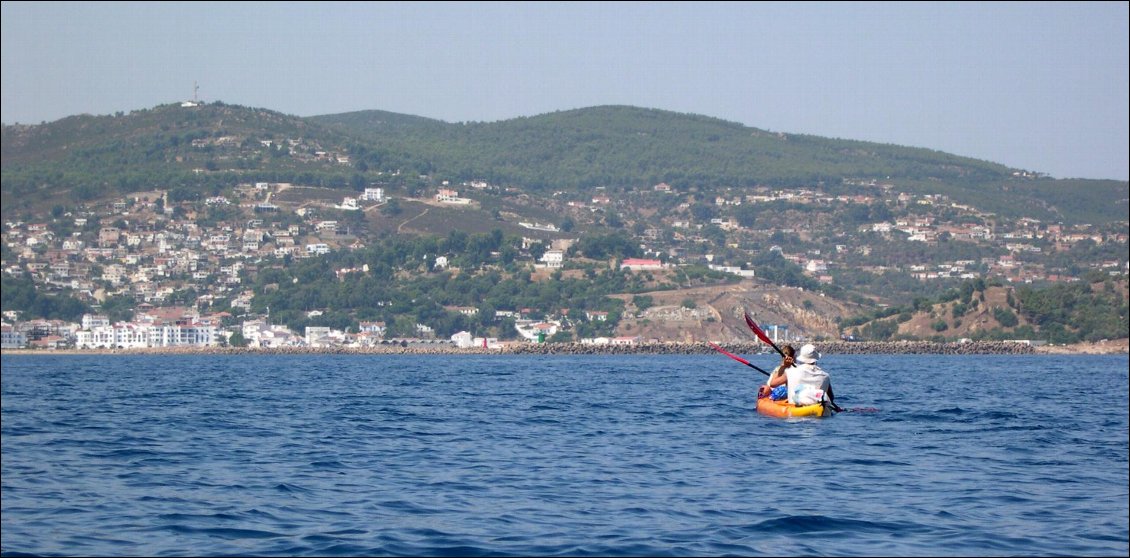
1038 86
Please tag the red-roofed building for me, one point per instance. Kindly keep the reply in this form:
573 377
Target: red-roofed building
640 264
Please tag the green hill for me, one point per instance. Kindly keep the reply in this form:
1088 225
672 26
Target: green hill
621 147
201 149
624 147
193 149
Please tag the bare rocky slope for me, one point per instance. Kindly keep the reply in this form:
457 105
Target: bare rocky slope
715 313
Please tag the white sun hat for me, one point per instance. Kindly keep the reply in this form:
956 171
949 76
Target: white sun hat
808 354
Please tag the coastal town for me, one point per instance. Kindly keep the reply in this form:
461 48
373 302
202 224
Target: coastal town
180 261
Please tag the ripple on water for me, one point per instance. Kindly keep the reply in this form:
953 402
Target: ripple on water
547 455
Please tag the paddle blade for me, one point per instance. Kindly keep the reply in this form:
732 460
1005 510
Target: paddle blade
729 354
737 358
756 330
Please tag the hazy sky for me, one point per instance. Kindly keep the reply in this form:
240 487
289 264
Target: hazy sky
1038 86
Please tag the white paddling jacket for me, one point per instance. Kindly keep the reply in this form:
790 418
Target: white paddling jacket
807 384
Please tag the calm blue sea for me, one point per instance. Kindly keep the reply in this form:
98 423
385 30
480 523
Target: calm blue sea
553 455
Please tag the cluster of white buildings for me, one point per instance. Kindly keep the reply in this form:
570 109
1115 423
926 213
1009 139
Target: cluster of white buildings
161 328
133 336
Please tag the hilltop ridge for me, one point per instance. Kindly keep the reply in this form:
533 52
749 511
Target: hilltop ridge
613 147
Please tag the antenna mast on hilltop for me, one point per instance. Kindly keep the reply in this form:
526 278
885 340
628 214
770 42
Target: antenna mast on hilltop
195 88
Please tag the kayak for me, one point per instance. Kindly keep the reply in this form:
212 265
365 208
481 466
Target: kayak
784 409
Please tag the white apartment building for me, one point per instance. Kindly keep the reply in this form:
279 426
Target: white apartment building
135 336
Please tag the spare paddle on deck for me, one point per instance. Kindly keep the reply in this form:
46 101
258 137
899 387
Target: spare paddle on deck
736 357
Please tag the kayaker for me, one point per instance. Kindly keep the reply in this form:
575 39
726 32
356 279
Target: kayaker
808 383
786 361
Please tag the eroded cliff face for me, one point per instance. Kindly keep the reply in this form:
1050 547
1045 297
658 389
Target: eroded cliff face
715 314
809 315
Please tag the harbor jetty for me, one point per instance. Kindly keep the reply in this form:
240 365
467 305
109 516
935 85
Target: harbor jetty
828 348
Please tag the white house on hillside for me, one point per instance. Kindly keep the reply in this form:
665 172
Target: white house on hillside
553 258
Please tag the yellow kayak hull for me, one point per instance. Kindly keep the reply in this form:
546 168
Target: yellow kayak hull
784 409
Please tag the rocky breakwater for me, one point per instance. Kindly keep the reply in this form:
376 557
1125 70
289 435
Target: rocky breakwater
927 348
671 348
828 348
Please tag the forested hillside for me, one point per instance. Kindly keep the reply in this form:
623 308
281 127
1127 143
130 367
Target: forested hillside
199 150
193 151
625 147
622 147
1091 310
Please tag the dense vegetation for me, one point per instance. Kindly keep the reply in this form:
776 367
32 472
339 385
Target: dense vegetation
624 147
1075 312
1090 310
193 152
20 294
202 149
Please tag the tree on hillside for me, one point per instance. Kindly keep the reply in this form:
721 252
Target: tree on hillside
392 207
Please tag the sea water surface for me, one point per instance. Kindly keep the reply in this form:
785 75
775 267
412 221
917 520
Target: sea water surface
638 455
